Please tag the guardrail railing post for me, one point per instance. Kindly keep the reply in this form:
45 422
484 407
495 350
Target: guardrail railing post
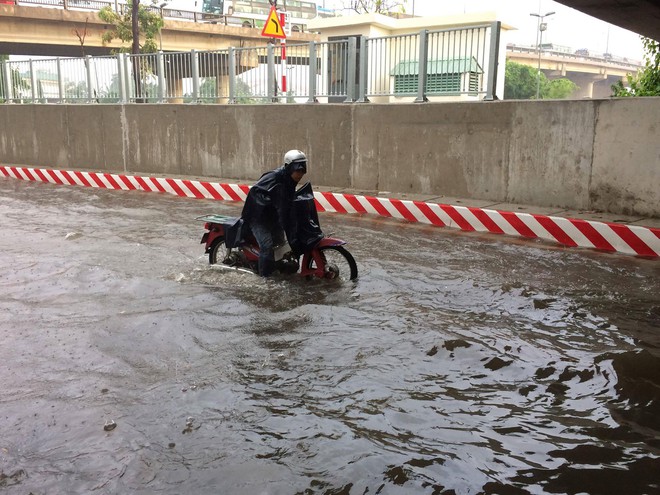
88 67
160 63
350 70
232 75
312 73
493 61
194 59
33 82
128 66
363 84
6 72
422 67
121 76
60 81
272 90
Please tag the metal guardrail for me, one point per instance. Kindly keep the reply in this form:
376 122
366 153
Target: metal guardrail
459 63
578 55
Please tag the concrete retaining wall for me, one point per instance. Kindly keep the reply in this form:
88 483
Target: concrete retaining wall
592 154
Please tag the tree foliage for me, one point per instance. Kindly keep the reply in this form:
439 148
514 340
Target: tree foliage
647 81
558 89
520 83
128 26
377 6
149 23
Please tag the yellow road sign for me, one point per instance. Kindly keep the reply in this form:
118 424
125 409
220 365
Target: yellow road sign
273 27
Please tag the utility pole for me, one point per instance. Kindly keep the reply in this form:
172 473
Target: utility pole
540 27
160 29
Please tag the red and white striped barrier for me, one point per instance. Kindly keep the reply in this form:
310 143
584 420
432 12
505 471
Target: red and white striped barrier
613 237
178 187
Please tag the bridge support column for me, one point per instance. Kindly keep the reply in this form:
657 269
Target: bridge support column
586 84
222 88
174 88
603 88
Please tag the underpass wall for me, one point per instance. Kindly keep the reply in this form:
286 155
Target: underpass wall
592 154
626 166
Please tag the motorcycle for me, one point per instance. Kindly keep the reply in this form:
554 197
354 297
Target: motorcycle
230 243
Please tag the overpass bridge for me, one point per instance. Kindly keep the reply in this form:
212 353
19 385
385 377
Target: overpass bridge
640 16
594 74
27 30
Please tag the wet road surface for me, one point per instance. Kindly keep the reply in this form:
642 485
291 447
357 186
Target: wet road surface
455 364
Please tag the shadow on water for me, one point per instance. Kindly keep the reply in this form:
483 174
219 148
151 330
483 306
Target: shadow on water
456 363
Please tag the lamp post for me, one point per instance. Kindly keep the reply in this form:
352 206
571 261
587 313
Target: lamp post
160 34
541 26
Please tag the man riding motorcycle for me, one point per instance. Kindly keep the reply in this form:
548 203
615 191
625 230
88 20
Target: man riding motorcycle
268 210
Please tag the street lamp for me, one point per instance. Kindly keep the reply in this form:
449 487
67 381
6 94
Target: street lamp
160 34
541 26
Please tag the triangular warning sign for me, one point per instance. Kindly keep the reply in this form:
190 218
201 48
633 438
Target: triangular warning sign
273 27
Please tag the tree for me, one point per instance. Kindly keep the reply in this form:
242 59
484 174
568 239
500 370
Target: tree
73 90
558 89
147 23
520 83
135 29
377 6
244 93
127 27
111 92
647 81
81 35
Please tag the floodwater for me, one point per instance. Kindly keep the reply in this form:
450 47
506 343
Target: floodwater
455 364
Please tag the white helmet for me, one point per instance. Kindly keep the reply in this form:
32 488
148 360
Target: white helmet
295 160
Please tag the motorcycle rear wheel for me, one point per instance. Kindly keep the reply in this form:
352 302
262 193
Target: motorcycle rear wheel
219 251
340 264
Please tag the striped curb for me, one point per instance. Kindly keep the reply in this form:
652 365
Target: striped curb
571 232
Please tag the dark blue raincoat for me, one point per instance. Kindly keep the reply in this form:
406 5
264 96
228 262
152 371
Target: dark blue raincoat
270 201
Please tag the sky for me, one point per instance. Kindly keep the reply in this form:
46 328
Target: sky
567 27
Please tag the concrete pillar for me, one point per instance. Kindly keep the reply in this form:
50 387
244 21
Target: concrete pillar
586 84
603 88
174 88
222 88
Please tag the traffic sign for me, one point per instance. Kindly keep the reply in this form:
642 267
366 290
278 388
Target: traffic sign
273 27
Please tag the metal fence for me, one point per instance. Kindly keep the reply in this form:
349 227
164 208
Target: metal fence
443 64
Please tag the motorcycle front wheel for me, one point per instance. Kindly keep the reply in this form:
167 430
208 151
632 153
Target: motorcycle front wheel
339 263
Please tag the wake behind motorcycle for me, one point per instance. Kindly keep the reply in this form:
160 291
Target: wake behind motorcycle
230 243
